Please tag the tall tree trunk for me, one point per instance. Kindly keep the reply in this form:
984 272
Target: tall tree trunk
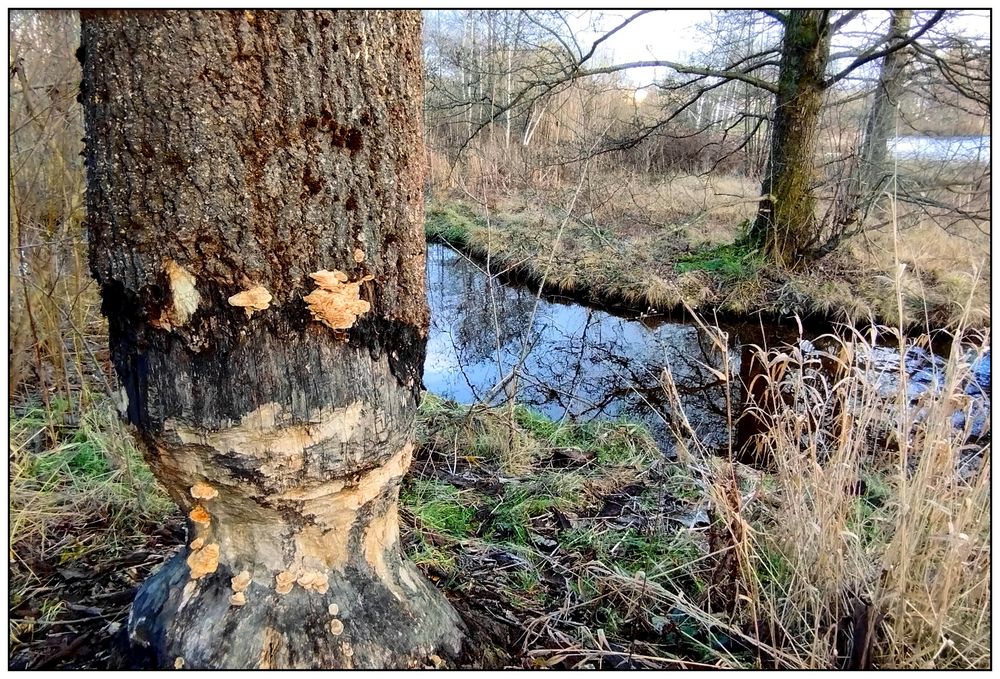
786 216
870 172
255 219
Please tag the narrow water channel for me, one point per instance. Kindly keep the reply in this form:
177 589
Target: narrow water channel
582 363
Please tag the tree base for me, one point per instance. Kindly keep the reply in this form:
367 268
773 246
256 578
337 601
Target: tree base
359 621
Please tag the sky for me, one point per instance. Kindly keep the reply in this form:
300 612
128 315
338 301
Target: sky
676 35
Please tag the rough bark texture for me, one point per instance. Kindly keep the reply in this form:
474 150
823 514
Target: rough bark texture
230 156
869 178
787 214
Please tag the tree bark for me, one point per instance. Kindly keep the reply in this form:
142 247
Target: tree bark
871 170
785 223
255 219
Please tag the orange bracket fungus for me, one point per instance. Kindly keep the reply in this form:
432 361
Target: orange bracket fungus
256 298
336 302
200 515
203 491
203 561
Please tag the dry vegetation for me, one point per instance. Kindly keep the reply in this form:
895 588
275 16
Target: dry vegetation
662 242
864 544
646 200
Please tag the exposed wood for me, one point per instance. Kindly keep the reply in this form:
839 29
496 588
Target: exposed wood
234 151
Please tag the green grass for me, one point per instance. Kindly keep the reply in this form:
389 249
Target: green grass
547 544
426 555
83 498
653 553
440 507
451 223
732 261
610 441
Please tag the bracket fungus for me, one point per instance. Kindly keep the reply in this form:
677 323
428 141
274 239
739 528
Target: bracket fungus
315 581
284 582
200 515
241 581
336 302
203 561
256 298
203 491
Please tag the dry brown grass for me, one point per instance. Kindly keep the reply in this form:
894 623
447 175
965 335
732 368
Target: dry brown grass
55 323
629 236
870 539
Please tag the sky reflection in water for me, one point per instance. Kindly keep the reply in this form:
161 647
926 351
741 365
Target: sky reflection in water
583 363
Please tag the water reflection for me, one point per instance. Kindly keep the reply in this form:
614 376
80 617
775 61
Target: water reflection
580 363
945 149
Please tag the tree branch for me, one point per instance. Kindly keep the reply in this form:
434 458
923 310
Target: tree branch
593 48
681 68
878 54
844 20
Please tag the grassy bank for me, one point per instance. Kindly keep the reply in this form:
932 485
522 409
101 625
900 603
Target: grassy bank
863 543
688 252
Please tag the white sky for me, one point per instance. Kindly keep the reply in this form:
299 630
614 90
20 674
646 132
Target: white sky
675 35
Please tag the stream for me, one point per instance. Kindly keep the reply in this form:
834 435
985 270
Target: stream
584 363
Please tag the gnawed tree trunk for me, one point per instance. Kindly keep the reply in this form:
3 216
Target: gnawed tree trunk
255 218
785 223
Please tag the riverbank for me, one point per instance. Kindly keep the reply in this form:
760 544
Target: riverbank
660 268
569 545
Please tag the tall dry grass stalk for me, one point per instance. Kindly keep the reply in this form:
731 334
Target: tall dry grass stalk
55 326
866 542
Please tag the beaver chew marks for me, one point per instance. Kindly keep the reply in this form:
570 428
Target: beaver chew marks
184 297
256 298
336 302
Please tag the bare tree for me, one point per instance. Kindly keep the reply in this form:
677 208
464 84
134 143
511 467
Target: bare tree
786 226
870 171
